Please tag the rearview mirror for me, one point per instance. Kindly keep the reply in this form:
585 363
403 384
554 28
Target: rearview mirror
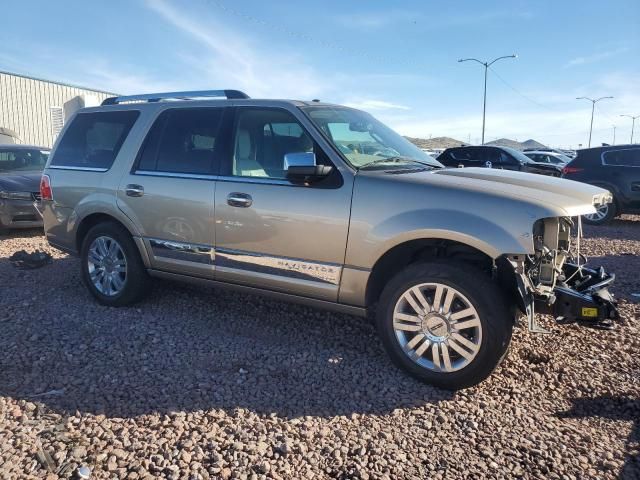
301 167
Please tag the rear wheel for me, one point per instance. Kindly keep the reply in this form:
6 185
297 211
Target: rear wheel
112 268
446 324
604 214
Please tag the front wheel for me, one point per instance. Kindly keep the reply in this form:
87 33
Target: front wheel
444 323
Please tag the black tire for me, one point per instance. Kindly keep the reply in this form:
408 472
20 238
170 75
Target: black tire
137 283
612 212
482 293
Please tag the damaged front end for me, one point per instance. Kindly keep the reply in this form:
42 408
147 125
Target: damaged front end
555 280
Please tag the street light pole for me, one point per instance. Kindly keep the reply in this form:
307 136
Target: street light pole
593 107
633 123
486 66
614 134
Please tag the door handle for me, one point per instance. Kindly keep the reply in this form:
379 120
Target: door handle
133 190
237 199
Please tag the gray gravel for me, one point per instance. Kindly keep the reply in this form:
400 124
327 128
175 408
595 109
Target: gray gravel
201 383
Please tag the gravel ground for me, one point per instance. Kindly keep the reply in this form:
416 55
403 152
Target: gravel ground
202 383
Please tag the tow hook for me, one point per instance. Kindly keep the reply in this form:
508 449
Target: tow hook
582 296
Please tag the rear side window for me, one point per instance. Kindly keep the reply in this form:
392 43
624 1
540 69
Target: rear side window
182 141
467 154
622 158
93 140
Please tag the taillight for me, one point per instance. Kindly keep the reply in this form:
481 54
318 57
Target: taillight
45 188
568 169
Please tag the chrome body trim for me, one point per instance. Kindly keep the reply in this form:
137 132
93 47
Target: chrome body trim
262 180
285 297
152 173
280 266
81 169
187 252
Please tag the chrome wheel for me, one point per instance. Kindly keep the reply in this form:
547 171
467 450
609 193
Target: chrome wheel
437 327
107 266
601 212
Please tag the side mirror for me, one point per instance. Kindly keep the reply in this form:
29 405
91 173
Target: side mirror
301 167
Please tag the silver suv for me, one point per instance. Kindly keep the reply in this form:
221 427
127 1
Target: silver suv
324 205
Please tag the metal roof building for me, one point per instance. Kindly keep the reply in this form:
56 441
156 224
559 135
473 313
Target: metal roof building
35 109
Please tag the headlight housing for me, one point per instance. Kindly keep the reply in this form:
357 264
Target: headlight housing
15 195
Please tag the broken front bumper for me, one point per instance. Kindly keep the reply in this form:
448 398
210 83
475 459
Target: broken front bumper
581 296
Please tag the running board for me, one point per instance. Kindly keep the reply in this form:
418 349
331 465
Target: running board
284 297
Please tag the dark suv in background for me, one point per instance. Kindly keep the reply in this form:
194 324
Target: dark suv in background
495 157
616 168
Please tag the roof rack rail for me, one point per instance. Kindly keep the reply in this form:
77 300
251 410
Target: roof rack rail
156 97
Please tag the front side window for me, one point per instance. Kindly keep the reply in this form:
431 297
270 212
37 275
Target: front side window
22 159
93 140
263 137
622 158
364 141
182 141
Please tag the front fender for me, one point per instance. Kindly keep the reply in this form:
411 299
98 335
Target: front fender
485 235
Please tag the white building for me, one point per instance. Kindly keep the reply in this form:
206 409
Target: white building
33 111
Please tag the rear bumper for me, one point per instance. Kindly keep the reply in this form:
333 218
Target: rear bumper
19 214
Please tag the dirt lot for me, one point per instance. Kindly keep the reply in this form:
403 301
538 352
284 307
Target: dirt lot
198 383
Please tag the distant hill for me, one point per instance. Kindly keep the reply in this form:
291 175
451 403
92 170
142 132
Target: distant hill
436 142
507 142
448 142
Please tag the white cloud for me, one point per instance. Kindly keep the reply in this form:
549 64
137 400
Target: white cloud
230 61
375 20
375 105
596 57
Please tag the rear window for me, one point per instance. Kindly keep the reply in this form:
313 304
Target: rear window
622 158
182 141
93 140
22 159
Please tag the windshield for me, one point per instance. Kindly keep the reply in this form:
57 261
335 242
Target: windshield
364 141
22 159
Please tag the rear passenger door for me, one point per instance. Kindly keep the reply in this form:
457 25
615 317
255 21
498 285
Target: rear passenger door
169 191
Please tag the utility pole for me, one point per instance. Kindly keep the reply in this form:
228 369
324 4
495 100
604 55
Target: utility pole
593 107
633 123
614 134
486 68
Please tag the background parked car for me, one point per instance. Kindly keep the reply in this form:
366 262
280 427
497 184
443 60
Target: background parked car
555 158
20 171
495 157
616 168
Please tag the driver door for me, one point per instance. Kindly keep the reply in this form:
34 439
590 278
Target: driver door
272 233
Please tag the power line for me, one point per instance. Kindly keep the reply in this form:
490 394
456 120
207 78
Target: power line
519 92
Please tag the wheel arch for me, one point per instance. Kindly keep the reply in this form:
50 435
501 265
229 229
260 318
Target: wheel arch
408 252
92 219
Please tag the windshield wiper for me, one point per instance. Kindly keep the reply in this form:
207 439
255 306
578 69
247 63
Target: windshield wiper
394 160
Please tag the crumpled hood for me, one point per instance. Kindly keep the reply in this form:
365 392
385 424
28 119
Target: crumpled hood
575 198
20 182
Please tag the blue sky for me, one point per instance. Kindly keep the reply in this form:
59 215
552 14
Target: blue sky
397 60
